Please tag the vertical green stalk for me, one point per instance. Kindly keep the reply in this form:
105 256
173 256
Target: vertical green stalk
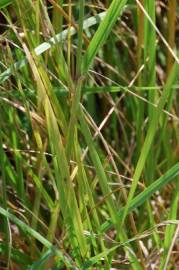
57 19
150 136
98 40
17 156
77 93
103 181
140 38
150 81
53 222
150 77
37 20
140 62
150 53
80 37
171 14
69 48
38 196
5 227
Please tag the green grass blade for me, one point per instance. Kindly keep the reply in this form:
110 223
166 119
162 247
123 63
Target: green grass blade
147 193
150 135
5 3
103 181
29 231
5 221
99 168
103 32
43 260
67 197
80 36
88 134
171 228
18 256
45 46
98 40
25 228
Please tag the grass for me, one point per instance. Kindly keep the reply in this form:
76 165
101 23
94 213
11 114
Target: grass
89 135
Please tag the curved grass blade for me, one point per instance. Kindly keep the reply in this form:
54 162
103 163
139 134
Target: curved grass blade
5 3
25 228
102 32
52 41
150 136
147 193
43 260
98 40
103 181
17 256
100 256
28 230
169 232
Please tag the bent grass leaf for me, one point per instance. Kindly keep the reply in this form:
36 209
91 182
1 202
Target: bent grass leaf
31 232
25 228
52 42
146 194
102 32
43 260
97 41
103 181
17 256
5 3
101 256
150 135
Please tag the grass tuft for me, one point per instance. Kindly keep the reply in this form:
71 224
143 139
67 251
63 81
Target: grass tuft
89 134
